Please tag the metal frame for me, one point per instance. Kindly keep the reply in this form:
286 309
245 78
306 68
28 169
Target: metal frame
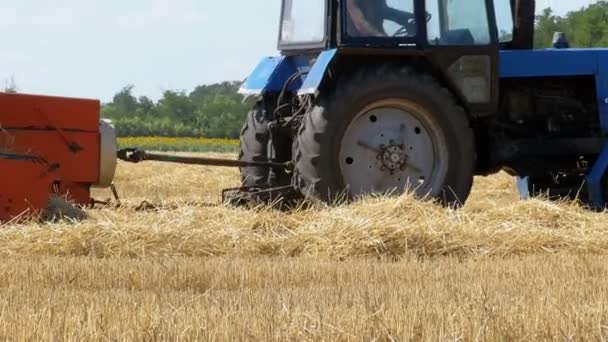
445 55
569 62
343 40
299 46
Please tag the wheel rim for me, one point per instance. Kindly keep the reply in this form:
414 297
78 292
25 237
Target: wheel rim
391 147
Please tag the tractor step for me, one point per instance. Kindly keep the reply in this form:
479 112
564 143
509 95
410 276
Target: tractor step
284 197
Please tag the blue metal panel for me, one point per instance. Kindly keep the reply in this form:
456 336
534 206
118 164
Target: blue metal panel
317 72
568 62
601 81
523 187
271 74
261 75
549 62
594 180
561 62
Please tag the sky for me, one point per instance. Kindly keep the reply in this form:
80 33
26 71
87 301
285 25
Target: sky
93 48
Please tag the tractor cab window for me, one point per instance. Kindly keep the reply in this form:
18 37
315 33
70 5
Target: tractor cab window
462 23
380 18
504 20
303 22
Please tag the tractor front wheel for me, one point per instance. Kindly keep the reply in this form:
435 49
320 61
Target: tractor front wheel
386 131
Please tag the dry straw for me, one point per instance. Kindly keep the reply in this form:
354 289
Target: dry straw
494 222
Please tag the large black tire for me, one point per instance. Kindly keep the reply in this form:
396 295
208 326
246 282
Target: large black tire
317 148
254 147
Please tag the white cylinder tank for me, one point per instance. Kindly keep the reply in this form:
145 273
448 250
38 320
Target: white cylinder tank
107 157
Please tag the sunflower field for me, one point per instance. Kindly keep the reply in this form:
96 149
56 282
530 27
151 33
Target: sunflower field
180 144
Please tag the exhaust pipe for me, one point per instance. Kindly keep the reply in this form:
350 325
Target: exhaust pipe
524 16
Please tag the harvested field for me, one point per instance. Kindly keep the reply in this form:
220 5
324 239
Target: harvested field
494 222
499 269
529 298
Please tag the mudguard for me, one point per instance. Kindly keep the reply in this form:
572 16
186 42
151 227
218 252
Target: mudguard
317 73
272 73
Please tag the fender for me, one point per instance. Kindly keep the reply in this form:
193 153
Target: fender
317 73
272 73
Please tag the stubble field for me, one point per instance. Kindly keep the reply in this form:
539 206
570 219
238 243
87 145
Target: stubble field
384 269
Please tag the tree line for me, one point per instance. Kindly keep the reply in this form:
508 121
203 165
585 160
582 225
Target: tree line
586 27
213 111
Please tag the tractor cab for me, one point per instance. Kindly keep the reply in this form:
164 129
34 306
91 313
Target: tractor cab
457 43
322 24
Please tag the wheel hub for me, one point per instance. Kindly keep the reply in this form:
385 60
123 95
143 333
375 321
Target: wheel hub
388 148
393 157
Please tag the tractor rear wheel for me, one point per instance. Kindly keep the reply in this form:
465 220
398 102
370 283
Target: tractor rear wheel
254 147
386 131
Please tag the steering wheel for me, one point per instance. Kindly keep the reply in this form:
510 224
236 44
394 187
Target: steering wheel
406 29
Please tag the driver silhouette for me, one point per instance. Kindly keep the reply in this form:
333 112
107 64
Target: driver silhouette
366 18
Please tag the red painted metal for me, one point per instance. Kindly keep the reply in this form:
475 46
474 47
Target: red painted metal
26 187
62 131
20 110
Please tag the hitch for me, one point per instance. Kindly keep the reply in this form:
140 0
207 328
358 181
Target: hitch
280 197
134 155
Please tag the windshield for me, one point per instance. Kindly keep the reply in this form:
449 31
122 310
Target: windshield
303 22
504 20
380 18
458 22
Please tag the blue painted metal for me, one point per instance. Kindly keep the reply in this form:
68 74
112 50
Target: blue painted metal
261 76
564 63
317 72
594 180
549 62
271 74
561 62
523 187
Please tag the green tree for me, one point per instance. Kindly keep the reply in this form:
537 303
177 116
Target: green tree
215 111
178 107
124 102
546 25
586 27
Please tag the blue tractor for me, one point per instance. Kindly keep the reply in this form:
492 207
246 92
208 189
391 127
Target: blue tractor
385 96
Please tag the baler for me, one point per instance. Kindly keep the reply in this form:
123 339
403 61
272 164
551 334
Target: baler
51 146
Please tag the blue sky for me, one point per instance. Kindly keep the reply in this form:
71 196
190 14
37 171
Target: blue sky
92 48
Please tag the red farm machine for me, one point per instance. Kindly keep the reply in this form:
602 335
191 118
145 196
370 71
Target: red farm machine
60 147
51 146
